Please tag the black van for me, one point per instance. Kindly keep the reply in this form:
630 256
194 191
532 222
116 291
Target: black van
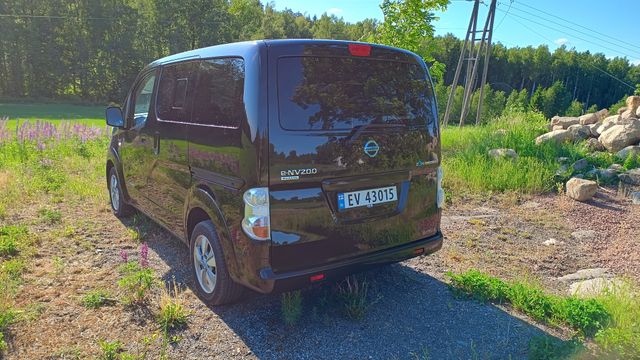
282 162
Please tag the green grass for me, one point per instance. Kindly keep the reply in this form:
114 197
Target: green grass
291 307
96 299
612 319
468 168
53 112
136 282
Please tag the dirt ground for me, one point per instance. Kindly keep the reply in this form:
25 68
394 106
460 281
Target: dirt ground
413 315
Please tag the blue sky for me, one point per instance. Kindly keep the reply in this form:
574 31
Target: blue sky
609 27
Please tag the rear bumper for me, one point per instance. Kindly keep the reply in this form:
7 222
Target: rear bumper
301 278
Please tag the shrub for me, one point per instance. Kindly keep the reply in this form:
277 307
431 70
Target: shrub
10 238
586 315
549 348
96 299
353 294
631 162
50 216
480 286
136 282
173 314
291 307
110 349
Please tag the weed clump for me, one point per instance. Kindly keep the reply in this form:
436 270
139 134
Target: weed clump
96 299
173 315
291 307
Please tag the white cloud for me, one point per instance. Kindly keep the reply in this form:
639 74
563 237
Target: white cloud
561 41
334 11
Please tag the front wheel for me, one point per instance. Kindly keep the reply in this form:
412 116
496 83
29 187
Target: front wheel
119 207
213 283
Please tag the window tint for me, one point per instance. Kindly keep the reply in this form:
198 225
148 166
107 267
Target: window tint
142 99
219 93
174 91
320 93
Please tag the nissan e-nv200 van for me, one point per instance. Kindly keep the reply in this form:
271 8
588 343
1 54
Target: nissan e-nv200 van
282 163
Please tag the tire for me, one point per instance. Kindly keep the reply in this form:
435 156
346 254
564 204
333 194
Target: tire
116 197
222 289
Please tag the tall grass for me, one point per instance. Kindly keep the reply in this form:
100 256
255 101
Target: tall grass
469 169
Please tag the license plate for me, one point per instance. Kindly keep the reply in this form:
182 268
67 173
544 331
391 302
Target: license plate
367 197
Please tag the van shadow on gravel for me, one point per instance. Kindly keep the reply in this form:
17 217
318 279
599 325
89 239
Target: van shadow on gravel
415 316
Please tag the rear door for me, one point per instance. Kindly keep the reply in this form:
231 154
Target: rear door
354 151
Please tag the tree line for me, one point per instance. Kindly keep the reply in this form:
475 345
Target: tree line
91 51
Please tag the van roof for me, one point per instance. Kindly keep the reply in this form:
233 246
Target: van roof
246 48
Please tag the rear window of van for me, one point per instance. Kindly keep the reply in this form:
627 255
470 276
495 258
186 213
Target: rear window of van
333 93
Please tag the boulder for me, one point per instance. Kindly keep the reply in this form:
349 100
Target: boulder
638 113
631 177
557 127
593 287
581 189
602 114
580 165
503 153
593 144
579 132
633 102
585 274
558 136
588 119
583 235
635 197
593 129
621 110
628 114
618 137
616 167
624 153
607 175
564 121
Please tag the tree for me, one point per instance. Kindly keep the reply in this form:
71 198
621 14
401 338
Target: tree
574 109
408 24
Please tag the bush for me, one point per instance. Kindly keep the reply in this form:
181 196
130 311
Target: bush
110 349
136 282
50 216
10 238
480 286
291 307
96 299
173 314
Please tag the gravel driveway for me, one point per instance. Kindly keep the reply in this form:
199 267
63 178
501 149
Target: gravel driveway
416 316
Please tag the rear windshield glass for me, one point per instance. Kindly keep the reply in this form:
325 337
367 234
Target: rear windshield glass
324 93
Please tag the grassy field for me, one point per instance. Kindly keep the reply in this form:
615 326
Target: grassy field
52 196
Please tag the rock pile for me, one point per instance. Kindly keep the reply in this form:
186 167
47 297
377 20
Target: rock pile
614 133
618 134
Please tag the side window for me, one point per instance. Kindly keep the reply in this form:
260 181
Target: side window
219 93
142 99
174 91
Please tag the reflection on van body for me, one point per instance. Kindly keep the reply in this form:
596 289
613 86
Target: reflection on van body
247 152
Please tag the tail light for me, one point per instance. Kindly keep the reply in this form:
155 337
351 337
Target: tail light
256 223
440 199
359 49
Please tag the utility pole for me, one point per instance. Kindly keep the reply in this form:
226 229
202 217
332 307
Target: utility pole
470 56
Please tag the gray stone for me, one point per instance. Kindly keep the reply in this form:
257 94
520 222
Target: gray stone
635 197
616 167
580 189
588 119
620 136
552 242
579 132
564 121
562 160
633 102
594 145
632 149
593 287
580 165
583 234
631 177
585 274
607 174
503 153
606 124
558 136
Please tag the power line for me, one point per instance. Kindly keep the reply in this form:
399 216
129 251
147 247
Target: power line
505 15
593 66
579 25
572 29
577 37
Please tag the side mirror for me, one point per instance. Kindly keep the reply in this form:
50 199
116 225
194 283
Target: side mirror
114 117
